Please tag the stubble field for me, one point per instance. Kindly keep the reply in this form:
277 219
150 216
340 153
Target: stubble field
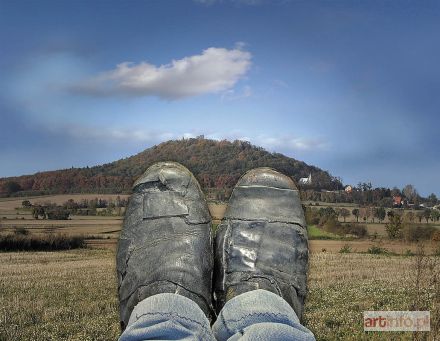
72 295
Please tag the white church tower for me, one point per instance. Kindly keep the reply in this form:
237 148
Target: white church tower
306 181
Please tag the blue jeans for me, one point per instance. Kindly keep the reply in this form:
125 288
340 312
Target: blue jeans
254 315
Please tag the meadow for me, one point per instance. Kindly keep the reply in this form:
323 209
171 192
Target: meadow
71 295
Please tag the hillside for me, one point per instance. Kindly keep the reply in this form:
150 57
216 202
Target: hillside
216 164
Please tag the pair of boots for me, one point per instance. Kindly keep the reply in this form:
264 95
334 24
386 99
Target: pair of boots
166 244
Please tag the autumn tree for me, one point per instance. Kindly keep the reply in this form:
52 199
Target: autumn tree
427 214
11 187
356 212
344 213
420 216
380 213
410 216
365 213
410 192
390 214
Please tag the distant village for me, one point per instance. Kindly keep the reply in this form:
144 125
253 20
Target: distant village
395 200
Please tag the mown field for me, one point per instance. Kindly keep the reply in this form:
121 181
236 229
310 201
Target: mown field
71 295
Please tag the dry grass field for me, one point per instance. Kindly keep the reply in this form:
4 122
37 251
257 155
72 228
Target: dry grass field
72 295
105 227
58 296
217 212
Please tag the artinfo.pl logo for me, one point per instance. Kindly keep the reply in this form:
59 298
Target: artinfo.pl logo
397 321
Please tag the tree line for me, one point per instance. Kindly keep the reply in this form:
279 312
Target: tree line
365 195
91 207
401 225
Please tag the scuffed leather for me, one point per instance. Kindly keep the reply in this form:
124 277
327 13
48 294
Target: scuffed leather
262 241
165 244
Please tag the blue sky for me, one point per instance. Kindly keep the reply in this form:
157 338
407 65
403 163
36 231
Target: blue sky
351 87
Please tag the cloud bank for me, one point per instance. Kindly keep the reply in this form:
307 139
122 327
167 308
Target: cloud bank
148 136
214 70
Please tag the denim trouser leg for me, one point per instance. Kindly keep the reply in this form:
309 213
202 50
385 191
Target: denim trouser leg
167 317
259 315
255 315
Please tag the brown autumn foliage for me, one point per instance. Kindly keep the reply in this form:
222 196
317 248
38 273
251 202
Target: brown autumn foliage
216 164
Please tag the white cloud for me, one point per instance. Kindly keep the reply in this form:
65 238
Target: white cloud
106 135
289 143
215 70
273 143
144 136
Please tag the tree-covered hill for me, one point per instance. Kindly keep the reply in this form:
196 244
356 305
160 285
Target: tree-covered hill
216 164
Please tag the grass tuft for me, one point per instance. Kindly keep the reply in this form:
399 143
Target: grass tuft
318 233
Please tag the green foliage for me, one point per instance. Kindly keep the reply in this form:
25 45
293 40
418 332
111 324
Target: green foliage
318 233
214 228
326 220
21 231
378 250
394 226
345 249
408 253
435 215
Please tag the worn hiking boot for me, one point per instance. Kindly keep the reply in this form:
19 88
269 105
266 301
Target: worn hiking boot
165 244
261 242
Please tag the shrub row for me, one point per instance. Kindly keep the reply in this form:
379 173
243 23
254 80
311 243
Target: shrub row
49 242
